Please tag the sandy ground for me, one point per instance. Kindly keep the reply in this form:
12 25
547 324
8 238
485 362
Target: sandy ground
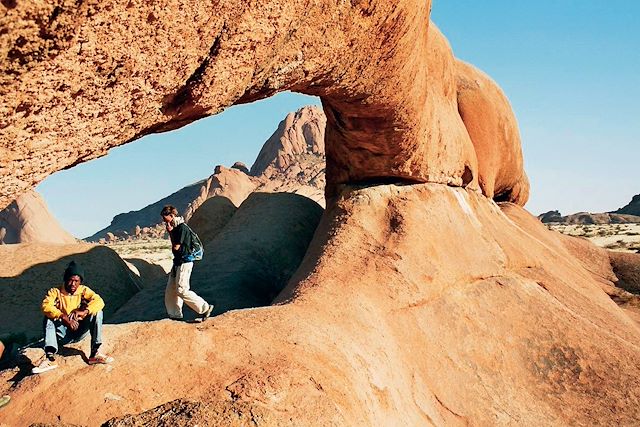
154 251
617 237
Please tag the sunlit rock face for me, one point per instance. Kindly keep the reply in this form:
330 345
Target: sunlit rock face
414 303
80 79
28 219
493 129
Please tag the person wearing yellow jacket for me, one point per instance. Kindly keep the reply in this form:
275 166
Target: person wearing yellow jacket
71 311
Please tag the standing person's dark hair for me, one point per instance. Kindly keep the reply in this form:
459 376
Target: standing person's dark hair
169 210
178 289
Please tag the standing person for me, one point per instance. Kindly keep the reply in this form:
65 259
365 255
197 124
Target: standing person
178 288
71 311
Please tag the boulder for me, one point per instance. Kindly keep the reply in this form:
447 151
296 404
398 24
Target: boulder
29 270
492 126
626 267
551 216
248 260
27 220
241 167
421 303
211 217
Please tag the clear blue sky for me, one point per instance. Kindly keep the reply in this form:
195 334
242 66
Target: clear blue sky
571 69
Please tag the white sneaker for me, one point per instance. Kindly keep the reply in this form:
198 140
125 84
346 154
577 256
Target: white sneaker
44 366
204 316
100 359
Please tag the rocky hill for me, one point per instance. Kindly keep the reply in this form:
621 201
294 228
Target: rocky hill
588 218
625 215
412 313
633 208
427 295
28 270
291 161
28 219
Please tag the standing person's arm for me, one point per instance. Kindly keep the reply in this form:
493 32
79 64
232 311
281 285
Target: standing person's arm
183 234
169 227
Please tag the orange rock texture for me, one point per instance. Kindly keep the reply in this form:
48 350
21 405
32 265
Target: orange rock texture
29 270
300 133
493 129
80 79
415 305
28 219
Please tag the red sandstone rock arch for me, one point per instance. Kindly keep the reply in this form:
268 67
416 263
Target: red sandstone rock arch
79 78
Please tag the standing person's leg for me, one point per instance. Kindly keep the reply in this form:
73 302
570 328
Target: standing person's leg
193 300
172 301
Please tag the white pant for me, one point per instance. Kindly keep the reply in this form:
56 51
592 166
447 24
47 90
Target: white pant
178 292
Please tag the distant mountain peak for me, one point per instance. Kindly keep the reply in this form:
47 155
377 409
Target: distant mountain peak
292 160
633 208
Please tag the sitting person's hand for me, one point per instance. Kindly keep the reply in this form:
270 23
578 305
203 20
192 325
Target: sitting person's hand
80 313
70 321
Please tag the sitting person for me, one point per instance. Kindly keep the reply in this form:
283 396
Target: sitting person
71 311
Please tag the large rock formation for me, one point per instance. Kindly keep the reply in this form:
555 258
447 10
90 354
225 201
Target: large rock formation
248 259
633 208
27 219
493 129
211 217
416 304
28 271
293 158
80 79
588 218
300 134
291 161
626 267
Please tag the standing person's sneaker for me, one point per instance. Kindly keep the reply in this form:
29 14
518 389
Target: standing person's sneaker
47 364
100 359
4 400
204 316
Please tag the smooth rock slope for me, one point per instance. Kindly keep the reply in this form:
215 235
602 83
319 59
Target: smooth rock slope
28 219
423 304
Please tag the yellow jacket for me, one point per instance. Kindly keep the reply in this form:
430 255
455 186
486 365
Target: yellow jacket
58 301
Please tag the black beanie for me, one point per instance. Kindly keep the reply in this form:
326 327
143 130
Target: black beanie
73 269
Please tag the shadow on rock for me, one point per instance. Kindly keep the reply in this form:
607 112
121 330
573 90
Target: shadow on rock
248 262
29 270
149 273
